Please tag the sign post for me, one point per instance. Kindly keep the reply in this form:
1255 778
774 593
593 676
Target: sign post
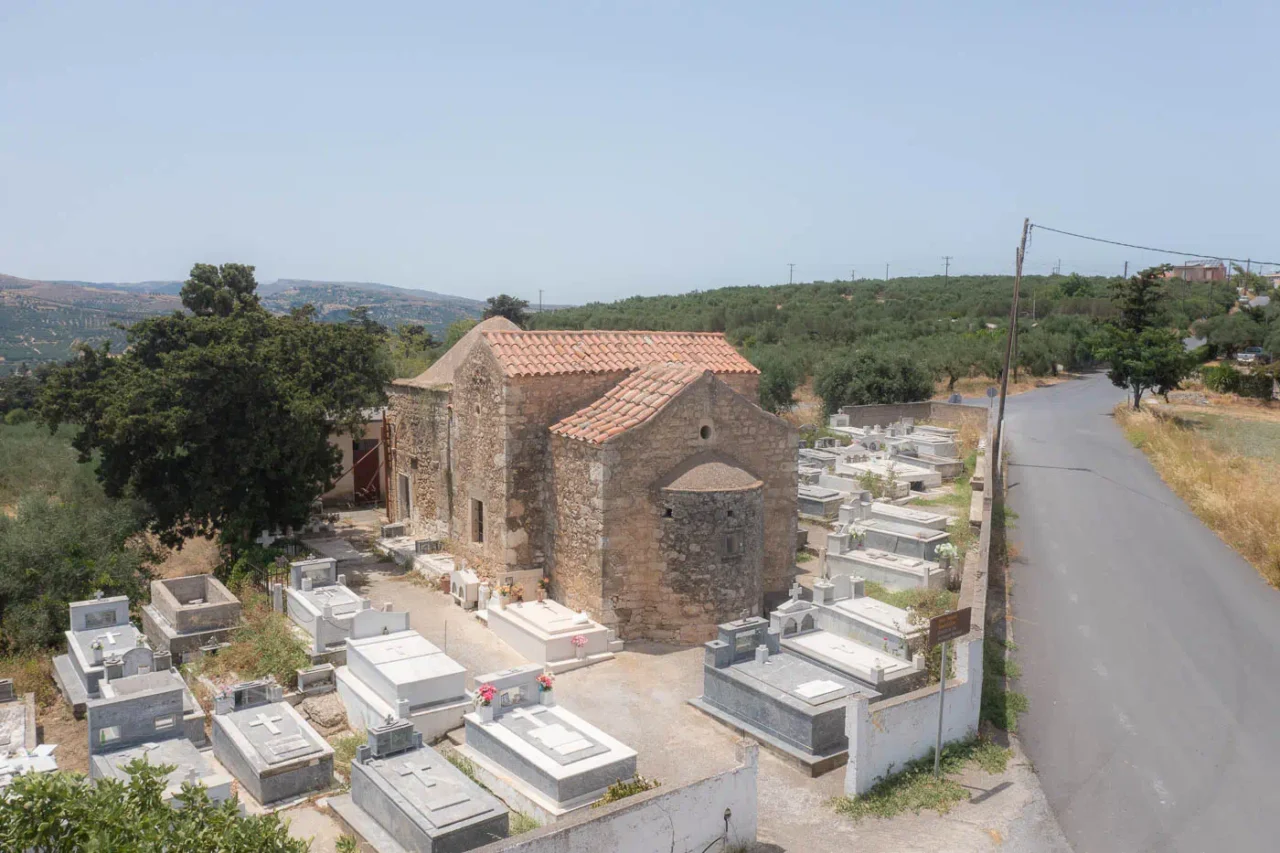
948 626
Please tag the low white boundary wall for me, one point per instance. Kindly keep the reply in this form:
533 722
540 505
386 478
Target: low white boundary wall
688 819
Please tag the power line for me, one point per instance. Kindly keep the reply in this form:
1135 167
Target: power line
1149 248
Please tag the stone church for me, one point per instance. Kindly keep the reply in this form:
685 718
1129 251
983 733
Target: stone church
634 468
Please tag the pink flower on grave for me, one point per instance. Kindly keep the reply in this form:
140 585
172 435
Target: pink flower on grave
578 641
545 681
486 692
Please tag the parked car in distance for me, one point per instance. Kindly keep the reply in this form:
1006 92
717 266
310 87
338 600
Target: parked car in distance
1253 355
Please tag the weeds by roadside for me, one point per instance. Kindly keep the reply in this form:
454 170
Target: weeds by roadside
914 788
1237 496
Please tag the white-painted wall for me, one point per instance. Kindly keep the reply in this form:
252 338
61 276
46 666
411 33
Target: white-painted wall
883 739
689 819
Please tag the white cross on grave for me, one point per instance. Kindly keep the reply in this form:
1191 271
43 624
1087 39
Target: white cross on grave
110 637
269 722
796 590
526 714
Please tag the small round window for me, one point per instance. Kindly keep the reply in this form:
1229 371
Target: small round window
705 432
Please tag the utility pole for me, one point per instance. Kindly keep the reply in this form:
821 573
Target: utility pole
946 272
1126 269
853 276
791 274
886 272
539 300
1008 350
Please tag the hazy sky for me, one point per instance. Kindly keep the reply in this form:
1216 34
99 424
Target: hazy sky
601 150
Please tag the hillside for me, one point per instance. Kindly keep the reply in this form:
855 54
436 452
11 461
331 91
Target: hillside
388 305
41 321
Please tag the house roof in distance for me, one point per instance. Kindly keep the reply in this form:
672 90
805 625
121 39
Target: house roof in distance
628 404
549 353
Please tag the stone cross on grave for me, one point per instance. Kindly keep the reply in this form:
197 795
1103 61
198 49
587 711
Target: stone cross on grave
410 768
110 637
796 591
269 722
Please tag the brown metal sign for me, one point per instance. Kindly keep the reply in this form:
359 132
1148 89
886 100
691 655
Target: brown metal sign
949 626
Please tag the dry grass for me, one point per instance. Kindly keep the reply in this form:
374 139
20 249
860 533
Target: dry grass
976 386
32 672
1237 496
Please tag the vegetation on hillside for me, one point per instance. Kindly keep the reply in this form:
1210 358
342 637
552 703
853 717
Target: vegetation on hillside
61 537
903 333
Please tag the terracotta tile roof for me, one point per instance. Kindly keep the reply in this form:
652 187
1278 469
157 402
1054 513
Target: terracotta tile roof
628 404
548 353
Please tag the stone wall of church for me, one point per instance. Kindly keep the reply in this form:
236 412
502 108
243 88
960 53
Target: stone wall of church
712 547
577 523
532 405
644 593
479 471
419 420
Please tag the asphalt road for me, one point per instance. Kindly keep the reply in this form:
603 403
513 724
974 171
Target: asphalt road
1150 651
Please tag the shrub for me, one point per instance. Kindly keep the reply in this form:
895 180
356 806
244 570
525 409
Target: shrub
65 811
624 788
1225 379
264 645
16 417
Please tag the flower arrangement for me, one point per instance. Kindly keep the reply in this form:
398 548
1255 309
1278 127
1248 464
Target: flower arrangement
578 641
545 681
505 590
947 550
486 692
544 583
517 592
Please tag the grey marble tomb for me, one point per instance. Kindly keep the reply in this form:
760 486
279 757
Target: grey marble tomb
406 793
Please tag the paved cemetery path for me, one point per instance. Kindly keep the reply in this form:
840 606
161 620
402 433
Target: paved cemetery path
1150 650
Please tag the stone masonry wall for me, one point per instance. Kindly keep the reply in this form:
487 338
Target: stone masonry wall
638 598
577 524
479 463
420 422
532 405
713 582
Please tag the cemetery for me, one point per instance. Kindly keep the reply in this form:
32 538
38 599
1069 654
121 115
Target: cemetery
819 502
539 757
548 633
266 745
789 704
400 676
145 721
190 616
327 612
404 793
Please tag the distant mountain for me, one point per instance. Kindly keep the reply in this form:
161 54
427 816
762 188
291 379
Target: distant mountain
41 321
172 288
388 305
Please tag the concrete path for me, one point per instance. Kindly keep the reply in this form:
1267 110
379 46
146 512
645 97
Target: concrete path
1150 650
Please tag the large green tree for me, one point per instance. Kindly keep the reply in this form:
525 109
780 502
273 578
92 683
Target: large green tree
219 419
510 307
1144 355
63 812
863 377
